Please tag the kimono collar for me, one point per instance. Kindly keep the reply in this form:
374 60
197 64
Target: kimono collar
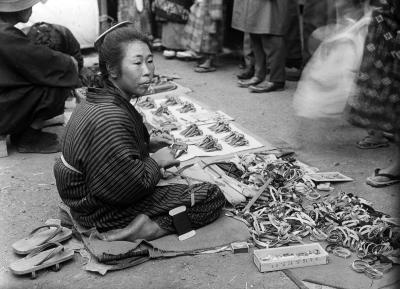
108 94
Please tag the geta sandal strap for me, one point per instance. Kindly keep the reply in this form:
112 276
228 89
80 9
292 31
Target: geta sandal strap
51 236
58 248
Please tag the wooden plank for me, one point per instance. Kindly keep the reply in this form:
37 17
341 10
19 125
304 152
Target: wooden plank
3 146
295 280
255 198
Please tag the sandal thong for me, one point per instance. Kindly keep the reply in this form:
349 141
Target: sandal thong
366 143
389 136
202 69
54 233
389 179
40 258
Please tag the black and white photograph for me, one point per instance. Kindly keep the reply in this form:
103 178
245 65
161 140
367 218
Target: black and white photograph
202 144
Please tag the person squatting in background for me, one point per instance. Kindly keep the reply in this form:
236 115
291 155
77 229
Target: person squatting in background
35 91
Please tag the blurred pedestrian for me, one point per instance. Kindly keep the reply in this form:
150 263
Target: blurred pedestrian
325 17
316 14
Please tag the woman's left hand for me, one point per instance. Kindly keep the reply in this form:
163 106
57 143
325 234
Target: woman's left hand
158 142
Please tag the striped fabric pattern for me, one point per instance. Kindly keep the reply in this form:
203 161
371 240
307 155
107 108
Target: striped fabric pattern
106 140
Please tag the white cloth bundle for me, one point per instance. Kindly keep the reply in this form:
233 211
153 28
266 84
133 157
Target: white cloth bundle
328 79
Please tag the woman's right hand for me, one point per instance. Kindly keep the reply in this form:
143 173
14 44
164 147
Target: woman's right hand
165 158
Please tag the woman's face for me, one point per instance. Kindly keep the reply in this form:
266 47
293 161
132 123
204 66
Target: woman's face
137 69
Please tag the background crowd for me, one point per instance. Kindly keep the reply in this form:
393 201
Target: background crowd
272 36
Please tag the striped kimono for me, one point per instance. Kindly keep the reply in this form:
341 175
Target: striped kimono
106 143
204 29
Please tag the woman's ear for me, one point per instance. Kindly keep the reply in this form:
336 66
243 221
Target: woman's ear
113 72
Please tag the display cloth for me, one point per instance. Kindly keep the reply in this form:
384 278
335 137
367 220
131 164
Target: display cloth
284 172
289 211
200 116
108 256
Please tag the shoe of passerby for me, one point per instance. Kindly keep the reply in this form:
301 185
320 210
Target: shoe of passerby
169 54
205 69
157 43
188 55
246 73
369 142
267 86
252 81
293 74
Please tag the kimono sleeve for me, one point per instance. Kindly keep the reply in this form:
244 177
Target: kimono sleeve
72 46
117 173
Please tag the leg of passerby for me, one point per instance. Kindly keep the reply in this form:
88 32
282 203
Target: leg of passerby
294 57
248 56
207 65
260 67
275 51
391 174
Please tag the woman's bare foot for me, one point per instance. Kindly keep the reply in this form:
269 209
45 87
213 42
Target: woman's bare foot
142 227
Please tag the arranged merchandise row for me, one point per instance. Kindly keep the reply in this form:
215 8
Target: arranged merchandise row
284 207
205 133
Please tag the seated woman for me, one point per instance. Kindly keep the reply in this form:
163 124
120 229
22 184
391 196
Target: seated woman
106 175
35 81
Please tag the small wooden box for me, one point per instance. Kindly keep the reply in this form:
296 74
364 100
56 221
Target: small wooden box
286 263
3 146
